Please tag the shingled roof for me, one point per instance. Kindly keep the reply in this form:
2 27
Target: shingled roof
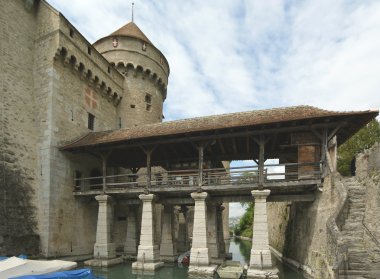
131 30
218 122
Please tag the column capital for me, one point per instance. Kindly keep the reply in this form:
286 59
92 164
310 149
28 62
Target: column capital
103 198
147 197
260 193
199 196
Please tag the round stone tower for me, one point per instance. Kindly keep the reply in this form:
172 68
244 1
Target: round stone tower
146 73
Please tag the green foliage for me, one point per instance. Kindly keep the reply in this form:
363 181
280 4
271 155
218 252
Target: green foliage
244 228
364 139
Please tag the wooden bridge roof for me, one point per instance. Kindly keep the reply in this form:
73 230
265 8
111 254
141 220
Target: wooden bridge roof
224 123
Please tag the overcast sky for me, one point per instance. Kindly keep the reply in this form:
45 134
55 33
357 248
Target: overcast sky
238 55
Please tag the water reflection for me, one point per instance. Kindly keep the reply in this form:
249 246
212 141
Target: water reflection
240 249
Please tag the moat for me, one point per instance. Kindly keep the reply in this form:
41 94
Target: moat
240 250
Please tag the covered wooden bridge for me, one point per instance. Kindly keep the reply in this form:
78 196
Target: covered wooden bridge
179 157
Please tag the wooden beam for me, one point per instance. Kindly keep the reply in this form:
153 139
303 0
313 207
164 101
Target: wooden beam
221 146
247 144
104 170
200 164
261 161
234 147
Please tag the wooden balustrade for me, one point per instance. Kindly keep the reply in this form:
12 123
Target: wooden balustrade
210 177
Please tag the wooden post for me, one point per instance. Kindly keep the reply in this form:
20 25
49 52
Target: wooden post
200 165
148 168
104 171
324 153
261 162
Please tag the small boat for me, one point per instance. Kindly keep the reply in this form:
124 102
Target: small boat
84 273
184 258
15 267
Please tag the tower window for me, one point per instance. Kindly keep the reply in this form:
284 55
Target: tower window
144 45
91 121
109 69
89 50
133 106
148 98
148 101
71 33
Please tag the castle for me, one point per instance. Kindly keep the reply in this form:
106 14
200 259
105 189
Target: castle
56 87
89 168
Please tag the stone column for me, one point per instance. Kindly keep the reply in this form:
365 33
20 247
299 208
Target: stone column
199 254
212 231
104 249
226 230
168 251
261 262
220 232
182 243
148 253
130 247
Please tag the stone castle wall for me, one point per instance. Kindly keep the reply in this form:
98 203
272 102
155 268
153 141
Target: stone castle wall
47 78
19 164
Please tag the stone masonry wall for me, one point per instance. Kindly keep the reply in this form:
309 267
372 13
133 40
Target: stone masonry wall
19 169
368 174
298 230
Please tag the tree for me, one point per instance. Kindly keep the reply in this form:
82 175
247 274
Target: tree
364 139
244 228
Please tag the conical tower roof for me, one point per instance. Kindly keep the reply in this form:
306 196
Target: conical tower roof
131 30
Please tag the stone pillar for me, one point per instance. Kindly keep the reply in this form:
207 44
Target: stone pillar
168 251
220 232
130 247
261 262
226 230
148 253
212 230
199 254
182 242
104 249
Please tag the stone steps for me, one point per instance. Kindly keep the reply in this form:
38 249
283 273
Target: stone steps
353 231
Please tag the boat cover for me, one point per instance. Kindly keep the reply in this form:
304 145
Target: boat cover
13 267
84 273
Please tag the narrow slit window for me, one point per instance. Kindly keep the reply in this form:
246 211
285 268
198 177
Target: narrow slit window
71 33
91 121
148 98
89 50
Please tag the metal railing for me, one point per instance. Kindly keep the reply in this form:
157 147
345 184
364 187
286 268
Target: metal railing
210 177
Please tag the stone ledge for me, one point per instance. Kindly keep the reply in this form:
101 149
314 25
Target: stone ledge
262 274
208 270
146 266
104 262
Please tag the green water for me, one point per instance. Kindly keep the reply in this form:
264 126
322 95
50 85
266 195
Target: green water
240 250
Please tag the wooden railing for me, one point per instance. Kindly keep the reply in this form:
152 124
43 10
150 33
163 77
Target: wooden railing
210 177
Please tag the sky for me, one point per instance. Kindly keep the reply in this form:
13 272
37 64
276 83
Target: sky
229 56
